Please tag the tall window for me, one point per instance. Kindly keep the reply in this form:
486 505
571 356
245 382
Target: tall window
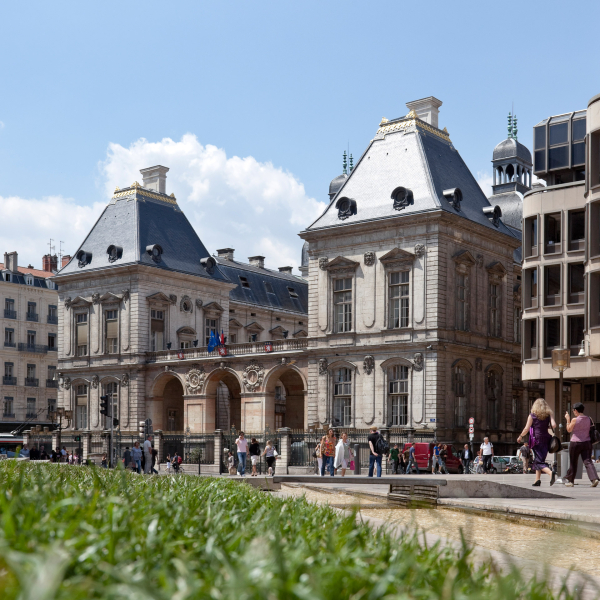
81 411
342 398
462 307
32 311
9 409
9 337
495 304
31 338
577 230
9 308
576 333
517 324
9 369
398 394
210 326
157 330
82 334
51 405
342 301
52 345
552 233
52 314
399 299
31 379
112 331
30 408
494 395
576 283
460 396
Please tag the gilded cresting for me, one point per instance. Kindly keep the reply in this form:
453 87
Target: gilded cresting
137 189
411 120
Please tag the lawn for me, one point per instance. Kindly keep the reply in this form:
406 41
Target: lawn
81 532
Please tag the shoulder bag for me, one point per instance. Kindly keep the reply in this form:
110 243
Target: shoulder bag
594 433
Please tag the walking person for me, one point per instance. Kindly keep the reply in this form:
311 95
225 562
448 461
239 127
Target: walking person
148 455
231 463
580 445
176 462
154 457
328 452
254 450
412 459
442 459
374 456
319 455
126 458
487 452
343 454
104 462
136 457
270 454
538 423
435 458
169 465
525 454
395 458
242 452
465 459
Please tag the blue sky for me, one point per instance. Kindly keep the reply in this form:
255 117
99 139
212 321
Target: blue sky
279 89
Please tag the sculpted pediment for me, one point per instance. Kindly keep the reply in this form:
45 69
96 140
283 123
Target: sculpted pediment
397 255
80 301
110 297
341 262
496 268
234 323
214 307
464 257
158 297
279 330
254 326
301 333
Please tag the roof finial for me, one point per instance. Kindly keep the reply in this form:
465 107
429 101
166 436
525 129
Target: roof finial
509 126
515 127
351 164
344 164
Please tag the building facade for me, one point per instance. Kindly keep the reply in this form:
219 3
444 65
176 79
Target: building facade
561 246
414 292
29 353
138 306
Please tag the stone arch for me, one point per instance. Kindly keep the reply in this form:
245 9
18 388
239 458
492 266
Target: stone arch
289 409
223 390
165 404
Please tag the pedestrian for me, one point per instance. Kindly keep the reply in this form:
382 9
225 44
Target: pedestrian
479 463
270 453
136 457
254 450
328 452
148 455
231 463
442 459
412 460
169 464
525 454
318 453
487 452
126 458
395 458
580 445
242 452
154 457
538 423
63 454
465 459
176 462
343 454
104 462
435 458
25 451
374 456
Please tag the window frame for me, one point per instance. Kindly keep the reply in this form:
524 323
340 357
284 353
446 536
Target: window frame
547 350
399 396
342 306
574 245
550 246
111 345
531 250
403 299
82 350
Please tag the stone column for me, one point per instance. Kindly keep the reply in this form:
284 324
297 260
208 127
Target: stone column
385 432
218 449
159 445
282 464
85 444
54 442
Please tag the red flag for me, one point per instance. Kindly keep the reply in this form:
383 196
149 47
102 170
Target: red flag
222 338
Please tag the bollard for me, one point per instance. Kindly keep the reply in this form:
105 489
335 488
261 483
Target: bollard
357 459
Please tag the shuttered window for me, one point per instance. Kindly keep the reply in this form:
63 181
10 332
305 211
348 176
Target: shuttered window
82 334
112 332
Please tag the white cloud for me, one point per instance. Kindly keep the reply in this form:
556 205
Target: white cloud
28 224
254 207
485 183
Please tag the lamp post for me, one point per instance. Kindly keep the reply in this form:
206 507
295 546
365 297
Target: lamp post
561 361
60 413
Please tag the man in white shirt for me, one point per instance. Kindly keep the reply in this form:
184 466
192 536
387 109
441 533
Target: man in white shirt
148 455
487 451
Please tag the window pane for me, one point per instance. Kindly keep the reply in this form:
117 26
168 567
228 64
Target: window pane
576 279
539 160
558 157
540 137
559 133
577 225
578 151
578 130
552 333
553 229
576 325
553 280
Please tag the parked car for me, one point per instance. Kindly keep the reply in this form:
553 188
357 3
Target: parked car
424 452
499 465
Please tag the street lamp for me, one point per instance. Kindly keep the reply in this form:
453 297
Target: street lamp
60 413
561 361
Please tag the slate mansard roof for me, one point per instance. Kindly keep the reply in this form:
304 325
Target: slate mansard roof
412 154
269 289
135 219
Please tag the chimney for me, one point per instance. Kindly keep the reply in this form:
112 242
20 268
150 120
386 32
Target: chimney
226 253
11 261
427 109
49 263
257 261
287 270
65 260
155 178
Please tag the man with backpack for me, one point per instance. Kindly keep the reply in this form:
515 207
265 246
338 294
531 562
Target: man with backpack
377 448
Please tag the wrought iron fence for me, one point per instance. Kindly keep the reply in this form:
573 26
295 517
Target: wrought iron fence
192 447
73 445
261 437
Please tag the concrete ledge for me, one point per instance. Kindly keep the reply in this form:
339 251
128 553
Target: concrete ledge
490 489
361 480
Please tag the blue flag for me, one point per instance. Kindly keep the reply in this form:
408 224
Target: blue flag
212 342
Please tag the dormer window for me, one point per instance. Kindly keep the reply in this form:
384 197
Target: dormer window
155 251
29 279
83 258
293 293
114 253
402 198
244 281
346 208
50 284
454 197
494 213
268 288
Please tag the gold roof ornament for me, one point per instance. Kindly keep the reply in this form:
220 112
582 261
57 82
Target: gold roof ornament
445 131
172 195
383 120
135 184
412 115
117 189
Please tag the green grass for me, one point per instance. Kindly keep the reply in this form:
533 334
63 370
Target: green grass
71 532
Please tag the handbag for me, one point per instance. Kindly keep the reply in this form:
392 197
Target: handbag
594 433
555 444
351 465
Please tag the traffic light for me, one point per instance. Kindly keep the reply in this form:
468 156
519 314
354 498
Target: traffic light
77 438
115 422
142 429
104 408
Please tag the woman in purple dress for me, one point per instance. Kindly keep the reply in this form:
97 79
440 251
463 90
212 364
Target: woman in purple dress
539 422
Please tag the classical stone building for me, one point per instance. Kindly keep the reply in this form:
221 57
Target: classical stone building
138 305
29 354
414 283
561 259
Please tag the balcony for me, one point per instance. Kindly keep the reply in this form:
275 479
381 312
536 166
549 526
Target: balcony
8 415
35 348
232 350
8 344
10 314
53 319
50 383
32 382
8 380
32 317
31 415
